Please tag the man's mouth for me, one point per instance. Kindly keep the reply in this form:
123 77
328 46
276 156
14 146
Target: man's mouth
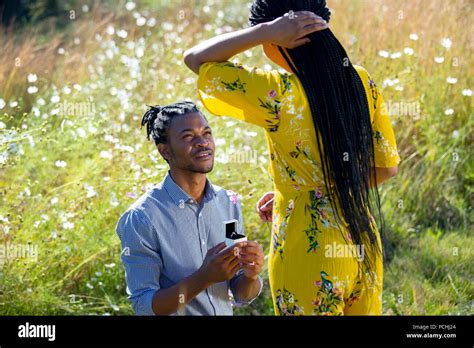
204 155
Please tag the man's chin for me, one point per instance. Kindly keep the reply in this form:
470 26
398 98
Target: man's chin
203 169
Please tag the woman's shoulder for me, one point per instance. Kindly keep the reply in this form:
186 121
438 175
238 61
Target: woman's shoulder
363 73
364 76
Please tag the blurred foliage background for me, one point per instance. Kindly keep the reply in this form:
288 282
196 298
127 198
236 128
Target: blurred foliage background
75 78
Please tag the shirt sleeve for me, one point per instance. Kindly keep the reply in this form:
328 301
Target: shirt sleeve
141 259
249 94
385 146
239 301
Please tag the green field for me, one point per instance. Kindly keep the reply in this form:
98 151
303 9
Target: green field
73 156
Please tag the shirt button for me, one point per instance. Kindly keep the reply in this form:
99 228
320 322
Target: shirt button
191 201
203 242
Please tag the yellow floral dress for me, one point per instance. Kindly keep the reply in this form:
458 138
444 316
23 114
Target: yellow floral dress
312 267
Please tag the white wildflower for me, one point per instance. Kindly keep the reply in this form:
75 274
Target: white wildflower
110 30
67 225
446 43
106 154
449 111
395 55
32 78
130 5
408 51
122 34
61 164
81 132
32 90
141 21
451 80
90 190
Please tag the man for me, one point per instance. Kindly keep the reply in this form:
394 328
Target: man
172 237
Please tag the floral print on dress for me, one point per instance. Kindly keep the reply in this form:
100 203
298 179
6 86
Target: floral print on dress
273 103
304 153
328 298
285 83
319 212
273 106
279 233
384 146
287 303
355 294
288 172
373 91
236 85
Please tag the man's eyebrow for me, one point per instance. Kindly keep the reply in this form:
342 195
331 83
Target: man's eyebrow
191 130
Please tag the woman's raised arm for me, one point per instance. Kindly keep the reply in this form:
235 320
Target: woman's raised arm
287 31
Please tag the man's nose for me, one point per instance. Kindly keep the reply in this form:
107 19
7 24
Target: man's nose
201 141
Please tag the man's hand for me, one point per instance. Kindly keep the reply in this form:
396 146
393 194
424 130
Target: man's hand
265 207
289 31
219 266
251 258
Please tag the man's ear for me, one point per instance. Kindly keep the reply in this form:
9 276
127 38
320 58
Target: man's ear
164 151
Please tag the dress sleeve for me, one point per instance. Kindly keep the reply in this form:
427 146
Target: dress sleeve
248 94
385 145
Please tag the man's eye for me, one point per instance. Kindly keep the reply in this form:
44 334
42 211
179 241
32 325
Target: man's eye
187 136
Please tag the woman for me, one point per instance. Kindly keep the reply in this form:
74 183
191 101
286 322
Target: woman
330 143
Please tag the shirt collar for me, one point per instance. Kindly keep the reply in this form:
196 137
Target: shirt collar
179 196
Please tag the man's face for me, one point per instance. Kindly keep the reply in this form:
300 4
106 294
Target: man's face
190 144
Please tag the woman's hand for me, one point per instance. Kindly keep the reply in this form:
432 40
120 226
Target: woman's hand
265 207
289 31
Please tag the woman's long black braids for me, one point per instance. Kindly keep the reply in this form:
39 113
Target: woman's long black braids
341 118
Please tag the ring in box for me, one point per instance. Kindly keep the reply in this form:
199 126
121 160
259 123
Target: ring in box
231 235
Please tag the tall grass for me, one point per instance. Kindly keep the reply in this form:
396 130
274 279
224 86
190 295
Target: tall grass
73 157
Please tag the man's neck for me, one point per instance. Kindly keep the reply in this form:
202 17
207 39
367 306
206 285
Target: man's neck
194 184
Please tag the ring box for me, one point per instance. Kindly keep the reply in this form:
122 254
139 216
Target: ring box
231 235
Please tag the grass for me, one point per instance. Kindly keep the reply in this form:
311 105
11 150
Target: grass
67 175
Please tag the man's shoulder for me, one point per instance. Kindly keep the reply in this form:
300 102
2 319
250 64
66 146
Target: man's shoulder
147 202
225 194
146 198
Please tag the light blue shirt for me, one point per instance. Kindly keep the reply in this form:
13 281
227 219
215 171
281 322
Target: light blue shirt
165 236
